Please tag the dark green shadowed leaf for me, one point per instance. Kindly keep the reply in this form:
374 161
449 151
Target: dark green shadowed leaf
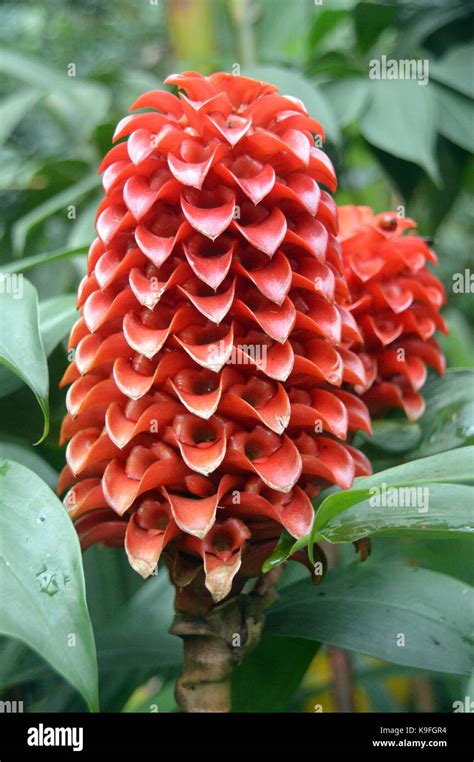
42 593
38 214
277 666
395 436
408 616
449 418
458 114
21 346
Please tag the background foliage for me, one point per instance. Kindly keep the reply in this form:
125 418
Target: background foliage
393 143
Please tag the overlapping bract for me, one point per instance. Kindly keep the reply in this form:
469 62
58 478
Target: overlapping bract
396 302
210 391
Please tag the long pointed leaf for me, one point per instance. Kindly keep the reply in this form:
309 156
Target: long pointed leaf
403 615
21 346
42 593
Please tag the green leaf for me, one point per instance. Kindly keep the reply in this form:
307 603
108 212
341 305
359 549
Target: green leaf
324 21
367 607
456 117
277 666
83 230
26 263
401 119
436 510
348 98
458 345
424 22
283 549
110 583
18 663
21 346
291 82
455 69
13 109
447 467
138 636
282 26
42 591
450 467
370 20
452 556
449 418
82 105
13 450
52 205
57 316
395 436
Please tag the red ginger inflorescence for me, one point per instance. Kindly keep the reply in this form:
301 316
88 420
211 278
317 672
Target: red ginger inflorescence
210 392
396 302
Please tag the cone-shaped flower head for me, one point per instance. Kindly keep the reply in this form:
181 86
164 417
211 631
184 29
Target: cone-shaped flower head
210 390
396 302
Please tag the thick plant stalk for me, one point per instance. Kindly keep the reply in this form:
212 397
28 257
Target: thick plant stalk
216 643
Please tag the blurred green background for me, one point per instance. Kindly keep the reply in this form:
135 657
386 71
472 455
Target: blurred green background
69 70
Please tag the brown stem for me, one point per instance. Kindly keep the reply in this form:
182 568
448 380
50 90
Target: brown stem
204 685
214 643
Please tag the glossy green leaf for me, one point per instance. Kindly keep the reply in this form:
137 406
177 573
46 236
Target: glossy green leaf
401 119
21 346
42 593
283 549
408 616
347 515
455 466
436 510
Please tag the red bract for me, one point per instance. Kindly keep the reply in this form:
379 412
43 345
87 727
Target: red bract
210 394
396 303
